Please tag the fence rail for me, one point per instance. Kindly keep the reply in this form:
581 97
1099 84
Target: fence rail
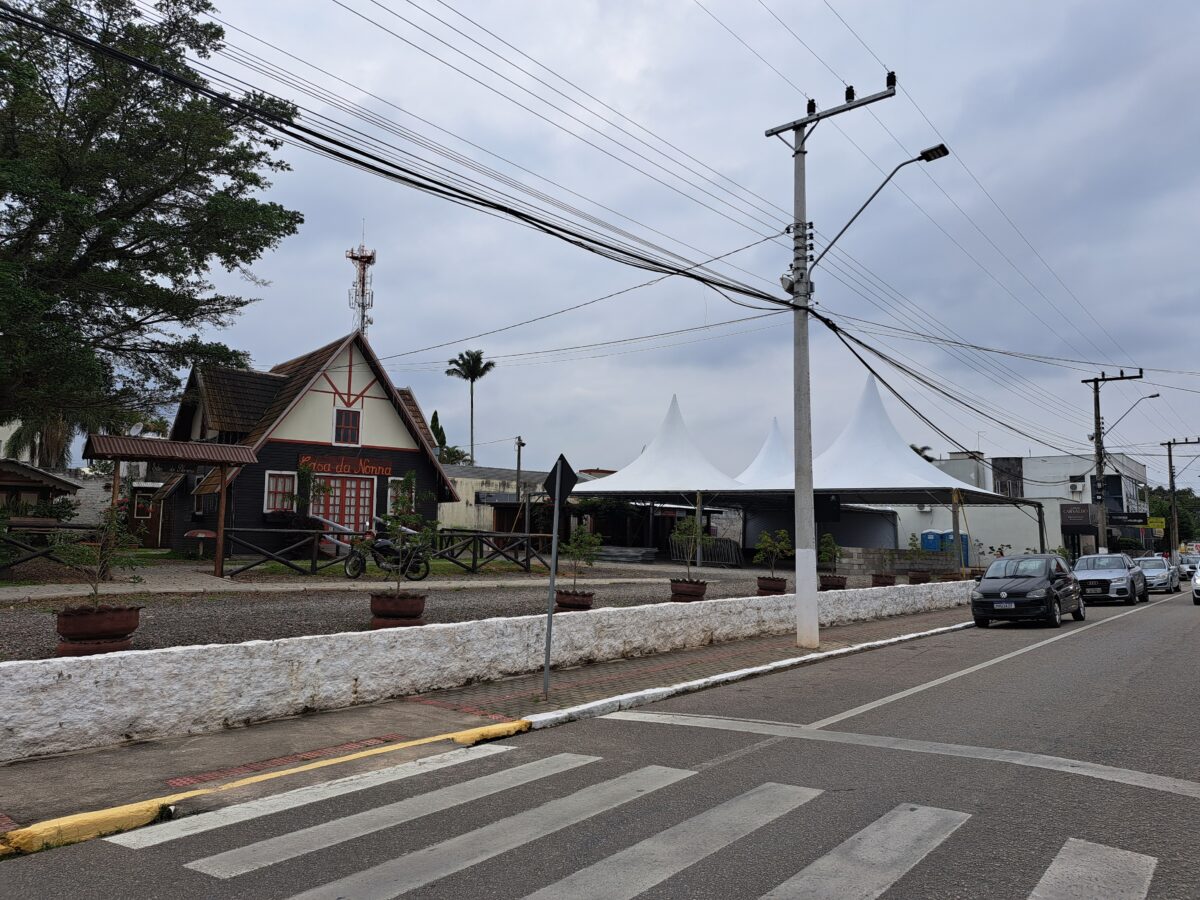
472 550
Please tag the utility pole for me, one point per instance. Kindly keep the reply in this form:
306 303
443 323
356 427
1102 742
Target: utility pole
1173 533
520 444
362 297
1098 441
801 287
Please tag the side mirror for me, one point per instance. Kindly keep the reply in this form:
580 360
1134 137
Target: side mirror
978 578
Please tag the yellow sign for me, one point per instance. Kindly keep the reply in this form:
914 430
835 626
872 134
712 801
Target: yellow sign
1156 522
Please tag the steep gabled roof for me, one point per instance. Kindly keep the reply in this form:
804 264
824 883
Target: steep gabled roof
236 399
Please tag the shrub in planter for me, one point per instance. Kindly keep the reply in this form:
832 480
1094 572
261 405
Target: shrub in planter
98 627
581 550
404 524
770 549
828 554
878 580
919 573
691 534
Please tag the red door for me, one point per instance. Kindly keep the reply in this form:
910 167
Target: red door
346 499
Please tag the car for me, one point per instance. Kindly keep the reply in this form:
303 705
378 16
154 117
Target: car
1111 576
1160 574
1188 563
1196 588
1031 586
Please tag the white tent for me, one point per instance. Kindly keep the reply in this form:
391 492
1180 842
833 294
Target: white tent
671 463
774 468
869 455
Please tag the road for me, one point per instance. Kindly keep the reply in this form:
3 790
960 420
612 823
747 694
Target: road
1012 762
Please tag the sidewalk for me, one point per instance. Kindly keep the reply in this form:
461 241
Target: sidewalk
36 790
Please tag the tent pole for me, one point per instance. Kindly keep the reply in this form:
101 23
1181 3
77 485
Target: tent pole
954 502
1041 511
699 525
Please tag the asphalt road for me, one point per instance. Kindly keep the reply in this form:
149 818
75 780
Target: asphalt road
1018 761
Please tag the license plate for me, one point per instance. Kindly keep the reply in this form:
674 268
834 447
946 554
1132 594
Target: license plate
1094 591
1008 604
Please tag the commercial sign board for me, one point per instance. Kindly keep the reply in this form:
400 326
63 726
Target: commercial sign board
1156 522
1127 519
1077 518
346 465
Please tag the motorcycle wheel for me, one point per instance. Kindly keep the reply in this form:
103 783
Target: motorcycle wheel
355 565
417 570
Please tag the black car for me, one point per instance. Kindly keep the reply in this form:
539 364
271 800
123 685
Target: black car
1037 586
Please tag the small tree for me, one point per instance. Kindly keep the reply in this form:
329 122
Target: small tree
112 548
582 550
405 523
917 553
828 552
691 535
773 547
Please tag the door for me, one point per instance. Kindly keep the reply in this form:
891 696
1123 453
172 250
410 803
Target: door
347 500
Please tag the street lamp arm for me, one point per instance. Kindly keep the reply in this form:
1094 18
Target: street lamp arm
845 227
1111 427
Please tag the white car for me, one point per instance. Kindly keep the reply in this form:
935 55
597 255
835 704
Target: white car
1160 574
1196 588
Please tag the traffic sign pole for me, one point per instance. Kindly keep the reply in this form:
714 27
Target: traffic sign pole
564 479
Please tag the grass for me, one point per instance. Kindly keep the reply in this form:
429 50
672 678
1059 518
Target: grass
440 568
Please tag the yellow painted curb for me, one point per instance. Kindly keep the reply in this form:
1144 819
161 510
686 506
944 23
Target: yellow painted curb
101 822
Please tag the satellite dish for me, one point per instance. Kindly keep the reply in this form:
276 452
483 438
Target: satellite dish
136 429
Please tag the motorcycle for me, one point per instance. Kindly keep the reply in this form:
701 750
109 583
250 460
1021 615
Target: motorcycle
409 559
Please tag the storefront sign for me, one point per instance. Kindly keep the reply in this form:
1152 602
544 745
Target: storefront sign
1076 515
346 465
1127 519
1156 522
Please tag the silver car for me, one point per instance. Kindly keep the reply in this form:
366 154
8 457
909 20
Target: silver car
1160 574
1111 576
1188 564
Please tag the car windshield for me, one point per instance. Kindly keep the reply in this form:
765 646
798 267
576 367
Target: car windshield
1191 560
1154 563
1017 568
1091 563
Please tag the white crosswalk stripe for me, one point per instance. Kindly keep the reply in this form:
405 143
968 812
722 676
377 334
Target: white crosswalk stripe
244 812
870 862
1083 870
306 840
422 867
654 860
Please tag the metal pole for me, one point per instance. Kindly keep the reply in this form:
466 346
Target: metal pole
699 526
807 626
1041 514
1098 489
553 577
1174 533
960 562
219 556
520 444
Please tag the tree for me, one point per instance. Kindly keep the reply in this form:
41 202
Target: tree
447 454
119 191
470 366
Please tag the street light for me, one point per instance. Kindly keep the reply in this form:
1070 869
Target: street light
927 155
1128 411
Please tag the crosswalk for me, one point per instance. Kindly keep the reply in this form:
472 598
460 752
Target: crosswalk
865 864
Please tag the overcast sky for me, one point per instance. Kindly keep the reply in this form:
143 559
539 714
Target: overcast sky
1077 118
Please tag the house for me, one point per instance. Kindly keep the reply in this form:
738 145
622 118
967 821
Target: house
333 412
27 490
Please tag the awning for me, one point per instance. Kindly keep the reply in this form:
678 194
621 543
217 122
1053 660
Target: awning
130 448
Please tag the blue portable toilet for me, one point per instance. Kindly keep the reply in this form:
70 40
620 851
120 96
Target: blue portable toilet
947 544
931 540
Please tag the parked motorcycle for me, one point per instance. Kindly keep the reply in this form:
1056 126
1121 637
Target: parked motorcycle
409 559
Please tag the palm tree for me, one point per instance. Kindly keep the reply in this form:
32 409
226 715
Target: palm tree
470 367
924 452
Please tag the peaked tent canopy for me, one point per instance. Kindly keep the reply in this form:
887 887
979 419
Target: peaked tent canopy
773 469
671 463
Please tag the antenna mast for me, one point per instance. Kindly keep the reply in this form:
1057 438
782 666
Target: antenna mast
362 297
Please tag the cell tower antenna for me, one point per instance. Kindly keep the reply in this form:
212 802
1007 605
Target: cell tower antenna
362 297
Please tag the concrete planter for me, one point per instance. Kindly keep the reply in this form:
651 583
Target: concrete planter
573 601
769 586
685 591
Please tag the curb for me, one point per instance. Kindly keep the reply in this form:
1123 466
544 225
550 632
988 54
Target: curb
80 827
538 721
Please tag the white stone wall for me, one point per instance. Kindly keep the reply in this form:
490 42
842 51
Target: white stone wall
57 705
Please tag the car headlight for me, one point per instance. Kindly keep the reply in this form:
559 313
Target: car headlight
975 595
1039 594
1120 582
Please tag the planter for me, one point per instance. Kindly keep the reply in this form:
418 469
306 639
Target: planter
832 582
919 577
397 605
572 600
80 623
769 586
685 590
378 622
88 648
882 580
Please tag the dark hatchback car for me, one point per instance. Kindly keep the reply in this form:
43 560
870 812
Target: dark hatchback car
1040 586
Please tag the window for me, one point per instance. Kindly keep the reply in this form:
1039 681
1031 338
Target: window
345 426
280 492
141 504
395 486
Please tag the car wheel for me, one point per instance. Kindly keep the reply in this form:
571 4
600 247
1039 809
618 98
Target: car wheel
1080 612
981 622
1054 616
1195 600
1136 598
1145 593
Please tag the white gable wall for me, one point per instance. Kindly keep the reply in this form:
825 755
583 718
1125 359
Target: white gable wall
311 419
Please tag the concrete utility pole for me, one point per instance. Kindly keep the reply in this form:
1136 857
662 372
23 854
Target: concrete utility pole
520 444
1098 442
799 283
1173 532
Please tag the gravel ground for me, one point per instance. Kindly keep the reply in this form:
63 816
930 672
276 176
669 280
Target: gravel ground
27 630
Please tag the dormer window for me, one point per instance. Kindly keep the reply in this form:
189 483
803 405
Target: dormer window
346 427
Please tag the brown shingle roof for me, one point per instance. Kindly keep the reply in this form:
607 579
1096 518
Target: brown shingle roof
236 399
128 447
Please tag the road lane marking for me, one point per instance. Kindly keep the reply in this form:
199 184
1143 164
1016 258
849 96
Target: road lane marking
636 869
908 692
292 844
265 806
1146 780
870 862
421 867
1083 870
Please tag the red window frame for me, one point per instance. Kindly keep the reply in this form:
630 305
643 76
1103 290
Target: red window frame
280 495
348 500
347 425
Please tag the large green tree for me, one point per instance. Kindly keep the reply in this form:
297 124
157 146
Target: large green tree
119 193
